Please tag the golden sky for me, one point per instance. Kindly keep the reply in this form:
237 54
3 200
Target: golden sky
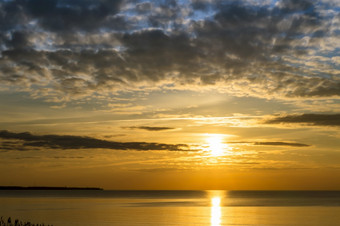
188 94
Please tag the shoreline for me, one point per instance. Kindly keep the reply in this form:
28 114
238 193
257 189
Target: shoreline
12 188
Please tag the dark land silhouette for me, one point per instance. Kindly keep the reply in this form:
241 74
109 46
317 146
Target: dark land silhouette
46 188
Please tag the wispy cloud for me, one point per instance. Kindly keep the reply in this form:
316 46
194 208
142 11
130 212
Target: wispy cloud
272 143
307 119
150 128
79 142
282 144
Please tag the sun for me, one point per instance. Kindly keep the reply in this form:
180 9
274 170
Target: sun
216 146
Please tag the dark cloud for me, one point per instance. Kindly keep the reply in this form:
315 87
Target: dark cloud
61 15
309 119
296 5
18 40
11 146
150 128
58 15
272 143
282 144
79 142
200 4
66 49
282 168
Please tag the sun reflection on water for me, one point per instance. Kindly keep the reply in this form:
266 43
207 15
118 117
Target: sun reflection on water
216 213
216 210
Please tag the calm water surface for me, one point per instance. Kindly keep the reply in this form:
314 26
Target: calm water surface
153 208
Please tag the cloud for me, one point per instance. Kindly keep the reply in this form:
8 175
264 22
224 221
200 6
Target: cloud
63 50
80 142
283 168
61 15
308 119
150 128
272 143
282 144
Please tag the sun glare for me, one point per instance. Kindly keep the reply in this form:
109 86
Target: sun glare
216 146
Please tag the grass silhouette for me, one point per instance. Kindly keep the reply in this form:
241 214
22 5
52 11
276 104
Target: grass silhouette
16 222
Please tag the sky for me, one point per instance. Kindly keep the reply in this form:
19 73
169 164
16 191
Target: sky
186 94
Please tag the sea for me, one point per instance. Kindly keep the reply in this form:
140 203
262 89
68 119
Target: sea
157 208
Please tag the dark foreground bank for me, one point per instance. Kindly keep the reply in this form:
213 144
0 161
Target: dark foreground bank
16 222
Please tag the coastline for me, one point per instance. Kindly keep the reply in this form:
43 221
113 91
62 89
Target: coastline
11 188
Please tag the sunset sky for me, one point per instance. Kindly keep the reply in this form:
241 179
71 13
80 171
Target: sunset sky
186 94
